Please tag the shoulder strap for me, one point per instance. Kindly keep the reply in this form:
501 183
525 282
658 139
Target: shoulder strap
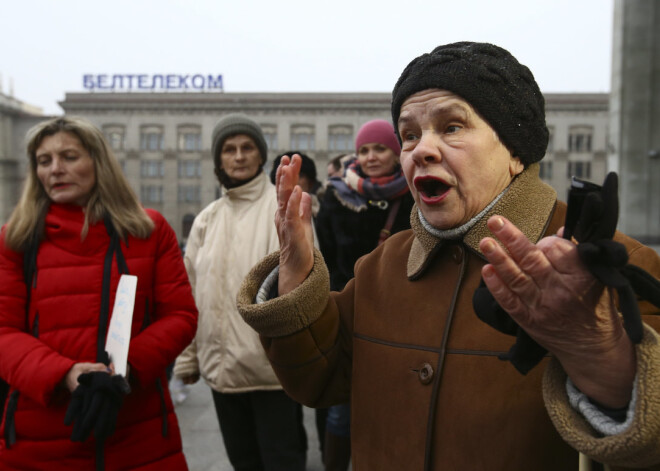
386 231
29 271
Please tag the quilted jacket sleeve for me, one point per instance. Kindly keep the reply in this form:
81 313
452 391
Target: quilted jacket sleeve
639 445
175 319
305 333
26 363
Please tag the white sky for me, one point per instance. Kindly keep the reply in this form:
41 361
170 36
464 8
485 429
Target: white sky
47 46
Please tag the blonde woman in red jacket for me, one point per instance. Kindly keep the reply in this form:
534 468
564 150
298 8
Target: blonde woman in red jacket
84 227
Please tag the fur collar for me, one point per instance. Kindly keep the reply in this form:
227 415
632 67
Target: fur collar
531 217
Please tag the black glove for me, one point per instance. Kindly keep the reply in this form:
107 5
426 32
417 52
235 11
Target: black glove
95 405
605 259
591 219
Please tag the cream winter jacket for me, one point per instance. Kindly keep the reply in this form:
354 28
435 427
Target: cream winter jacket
227 238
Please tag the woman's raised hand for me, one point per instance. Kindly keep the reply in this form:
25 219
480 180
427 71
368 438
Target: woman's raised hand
549 292
293 221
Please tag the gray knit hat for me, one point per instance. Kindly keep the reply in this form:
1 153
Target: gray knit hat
234 124
488 77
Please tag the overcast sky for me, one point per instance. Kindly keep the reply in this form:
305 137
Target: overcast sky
289 45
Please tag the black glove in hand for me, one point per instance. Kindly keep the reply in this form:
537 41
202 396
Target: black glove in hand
74 412
591 219
95 405
605 259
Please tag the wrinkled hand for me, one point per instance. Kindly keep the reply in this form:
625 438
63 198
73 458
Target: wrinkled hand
293 221
547 290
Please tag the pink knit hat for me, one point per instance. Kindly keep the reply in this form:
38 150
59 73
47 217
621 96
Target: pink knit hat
379 131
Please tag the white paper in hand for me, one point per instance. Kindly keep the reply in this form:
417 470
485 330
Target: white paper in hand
119 332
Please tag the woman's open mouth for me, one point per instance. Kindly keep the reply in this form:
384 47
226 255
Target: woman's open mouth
431 190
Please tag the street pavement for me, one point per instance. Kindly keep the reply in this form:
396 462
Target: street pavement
202 442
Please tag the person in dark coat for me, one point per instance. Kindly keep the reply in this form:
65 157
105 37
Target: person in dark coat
367 204
360 209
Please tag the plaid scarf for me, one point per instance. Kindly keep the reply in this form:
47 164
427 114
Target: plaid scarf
358 192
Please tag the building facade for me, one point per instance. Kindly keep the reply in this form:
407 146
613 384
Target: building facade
16 117
578 126
163 140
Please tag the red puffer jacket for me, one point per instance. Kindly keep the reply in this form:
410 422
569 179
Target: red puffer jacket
61 330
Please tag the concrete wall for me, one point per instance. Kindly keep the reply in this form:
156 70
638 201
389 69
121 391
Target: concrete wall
635 116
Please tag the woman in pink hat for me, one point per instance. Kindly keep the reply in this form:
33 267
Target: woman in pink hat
360 209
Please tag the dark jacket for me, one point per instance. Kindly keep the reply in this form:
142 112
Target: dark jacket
61 330
428 391
345 234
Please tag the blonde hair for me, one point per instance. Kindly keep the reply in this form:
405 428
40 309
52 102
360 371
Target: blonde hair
111 194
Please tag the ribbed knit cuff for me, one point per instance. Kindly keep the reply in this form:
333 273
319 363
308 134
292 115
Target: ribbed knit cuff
268 289
597 418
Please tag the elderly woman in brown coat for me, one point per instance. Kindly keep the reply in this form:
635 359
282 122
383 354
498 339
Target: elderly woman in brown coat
427 388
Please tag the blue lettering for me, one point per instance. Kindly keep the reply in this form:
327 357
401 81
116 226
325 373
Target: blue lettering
143 81
118 338
215 83
130 80
151 82
115 79
171 81
102 81
197 78
88 81
158 78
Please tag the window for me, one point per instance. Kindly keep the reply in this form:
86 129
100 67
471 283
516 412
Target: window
579 170
579 139
302 138
189 194
151 138
190 138
151 194
152 169
340 138
270 135
115 136
189 169
546 170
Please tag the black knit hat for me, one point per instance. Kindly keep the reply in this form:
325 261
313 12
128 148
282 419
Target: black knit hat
307 168
232 125
502 90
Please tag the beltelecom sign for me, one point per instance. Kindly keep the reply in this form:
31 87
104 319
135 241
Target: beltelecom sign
143 82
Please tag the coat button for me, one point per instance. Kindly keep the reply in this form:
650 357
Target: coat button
425 374
457 253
